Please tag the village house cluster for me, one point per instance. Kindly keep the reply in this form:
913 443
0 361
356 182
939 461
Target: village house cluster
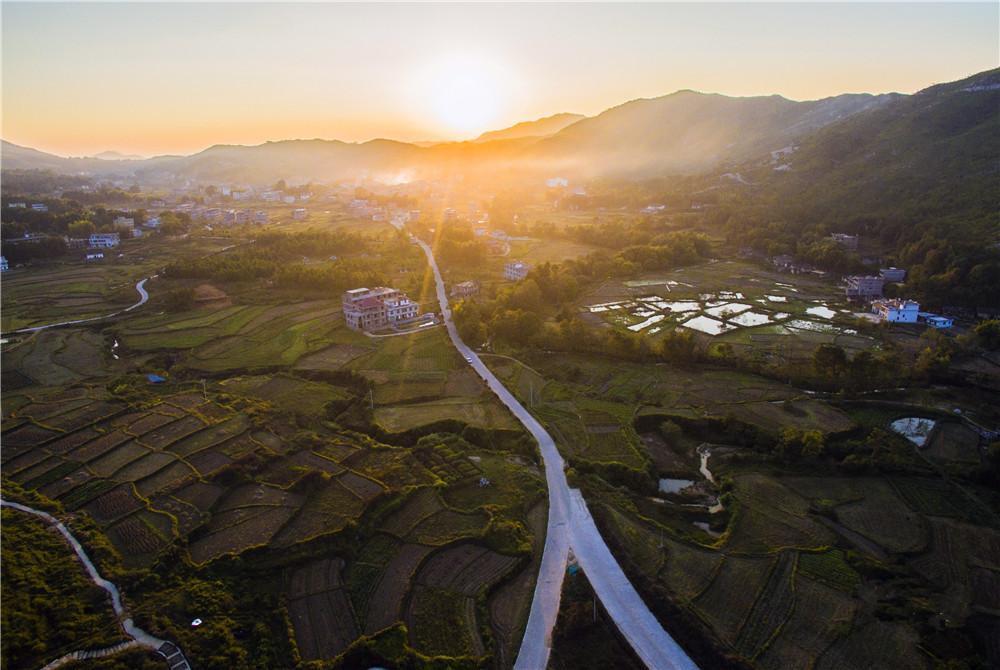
377 308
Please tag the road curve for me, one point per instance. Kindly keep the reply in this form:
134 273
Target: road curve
143 299
140 636
569 525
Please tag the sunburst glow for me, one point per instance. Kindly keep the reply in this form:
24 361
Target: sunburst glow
466 93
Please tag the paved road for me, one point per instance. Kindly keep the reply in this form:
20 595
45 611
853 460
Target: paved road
143 298
137 634
569 525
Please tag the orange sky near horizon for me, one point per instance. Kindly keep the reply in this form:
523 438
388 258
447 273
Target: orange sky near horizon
152 79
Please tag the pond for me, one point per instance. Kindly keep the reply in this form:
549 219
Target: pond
821 311
668 485
656 318
915 429
707 325
750 319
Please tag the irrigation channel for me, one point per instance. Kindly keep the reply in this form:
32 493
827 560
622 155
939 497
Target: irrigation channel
140 638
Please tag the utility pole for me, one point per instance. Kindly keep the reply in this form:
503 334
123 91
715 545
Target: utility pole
371 396
204 391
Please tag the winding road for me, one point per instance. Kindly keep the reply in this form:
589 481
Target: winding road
143 299
570 526
173 655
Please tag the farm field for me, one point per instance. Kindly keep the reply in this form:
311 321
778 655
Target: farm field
182 478
79 290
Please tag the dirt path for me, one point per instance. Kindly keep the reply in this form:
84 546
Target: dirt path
170 651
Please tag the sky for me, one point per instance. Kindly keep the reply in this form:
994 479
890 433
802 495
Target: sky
150 78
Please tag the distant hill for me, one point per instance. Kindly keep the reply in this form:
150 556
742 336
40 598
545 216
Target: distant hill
935 151
117 156
684 133
688 132
918 179
550 125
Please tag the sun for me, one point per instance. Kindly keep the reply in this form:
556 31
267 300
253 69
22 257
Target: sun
465 93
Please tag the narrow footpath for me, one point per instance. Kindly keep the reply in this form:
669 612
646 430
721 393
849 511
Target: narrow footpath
173 655
143 299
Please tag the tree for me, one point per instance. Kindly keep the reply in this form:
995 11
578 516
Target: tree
829 360
988 334
81 228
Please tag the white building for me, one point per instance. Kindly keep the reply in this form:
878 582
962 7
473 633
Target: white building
896 311
126 222
18 205
299 214
893 274
104 240
516 271
99 256
377 308
40 207
4 266
863 287
935 320
152 222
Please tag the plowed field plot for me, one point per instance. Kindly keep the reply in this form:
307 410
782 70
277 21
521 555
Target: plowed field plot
774 516
385 602
362 487
952 442
338 451
78 496
819 615
447 463
240 446
396 468
201 495
876 644
147 423
136 538
208 462
28 435
364 572
447 526
166 479
117 458
255 495
829 568
727 601
288 393
26 460
642 545
84 416
688 570
235 531
443 623
45 472
479 413
113 505
66 484
953 548
97 447
186 400
68 443
883 518
466 568
144 467
209 437
162 437
287 471
45 411
188 517
326 511
772 609
936 497
332 358
420 505
320 610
